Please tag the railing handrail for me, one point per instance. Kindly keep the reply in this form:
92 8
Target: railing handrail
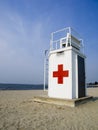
57 36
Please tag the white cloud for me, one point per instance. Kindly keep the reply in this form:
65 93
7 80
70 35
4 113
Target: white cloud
21 50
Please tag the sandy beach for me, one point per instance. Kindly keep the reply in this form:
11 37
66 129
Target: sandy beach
18 111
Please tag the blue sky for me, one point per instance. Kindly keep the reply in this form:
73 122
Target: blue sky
25 27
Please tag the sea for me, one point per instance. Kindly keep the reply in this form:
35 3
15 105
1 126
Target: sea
4 86
21 86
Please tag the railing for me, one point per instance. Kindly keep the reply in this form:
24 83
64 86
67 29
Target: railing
62 36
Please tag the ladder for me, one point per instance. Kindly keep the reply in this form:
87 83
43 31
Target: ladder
46 64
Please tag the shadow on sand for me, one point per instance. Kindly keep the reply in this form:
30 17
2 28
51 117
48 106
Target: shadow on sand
95 98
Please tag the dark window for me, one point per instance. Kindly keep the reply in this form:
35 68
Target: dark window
81 77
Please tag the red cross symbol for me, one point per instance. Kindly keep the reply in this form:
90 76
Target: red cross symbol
60 74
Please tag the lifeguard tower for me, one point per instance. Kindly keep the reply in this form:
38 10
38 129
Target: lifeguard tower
66 65
66 74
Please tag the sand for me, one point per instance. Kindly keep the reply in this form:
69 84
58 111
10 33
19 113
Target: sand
19 112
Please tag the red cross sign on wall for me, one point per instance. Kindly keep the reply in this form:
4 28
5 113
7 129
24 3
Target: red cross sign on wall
60 74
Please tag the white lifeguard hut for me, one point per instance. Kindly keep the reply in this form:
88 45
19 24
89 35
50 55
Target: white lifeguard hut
66 65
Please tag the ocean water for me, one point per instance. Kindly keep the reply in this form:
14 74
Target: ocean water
21 87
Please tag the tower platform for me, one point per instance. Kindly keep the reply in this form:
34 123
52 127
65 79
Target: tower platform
64 102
